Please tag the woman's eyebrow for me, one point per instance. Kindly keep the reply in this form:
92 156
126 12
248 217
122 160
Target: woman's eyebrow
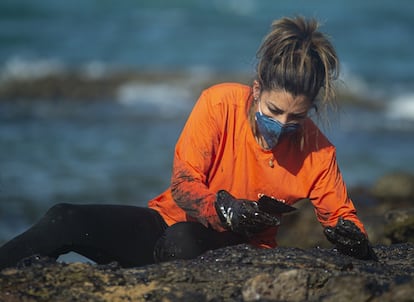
299 114
273 107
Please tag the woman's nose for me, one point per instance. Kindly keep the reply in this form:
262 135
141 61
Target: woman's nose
282 118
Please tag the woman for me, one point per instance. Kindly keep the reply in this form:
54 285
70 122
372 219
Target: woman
239 143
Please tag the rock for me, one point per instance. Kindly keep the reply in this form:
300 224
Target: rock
349 288
290 285
75 85
398 292
399 226
302 224
238 273
392 192
386 208
394 187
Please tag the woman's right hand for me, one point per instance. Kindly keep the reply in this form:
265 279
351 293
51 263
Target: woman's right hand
242 216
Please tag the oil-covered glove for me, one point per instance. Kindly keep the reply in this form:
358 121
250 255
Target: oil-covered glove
242 216
349 240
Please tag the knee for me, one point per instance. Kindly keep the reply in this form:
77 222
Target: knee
60 212
181 241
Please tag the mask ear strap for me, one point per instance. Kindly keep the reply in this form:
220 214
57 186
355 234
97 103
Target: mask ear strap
258 106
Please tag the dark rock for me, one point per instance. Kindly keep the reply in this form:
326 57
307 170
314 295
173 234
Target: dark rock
239 273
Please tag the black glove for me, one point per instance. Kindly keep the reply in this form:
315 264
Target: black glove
349 240
242 216
272 205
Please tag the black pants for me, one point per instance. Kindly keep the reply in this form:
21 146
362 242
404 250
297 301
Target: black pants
131 236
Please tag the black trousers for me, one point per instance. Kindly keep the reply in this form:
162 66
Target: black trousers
129 235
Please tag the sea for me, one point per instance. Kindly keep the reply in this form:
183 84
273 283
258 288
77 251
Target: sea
119 149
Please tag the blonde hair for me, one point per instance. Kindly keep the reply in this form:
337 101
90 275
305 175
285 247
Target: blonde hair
296 57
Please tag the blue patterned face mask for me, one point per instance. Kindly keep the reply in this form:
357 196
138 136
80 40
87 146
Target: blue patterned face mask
272 129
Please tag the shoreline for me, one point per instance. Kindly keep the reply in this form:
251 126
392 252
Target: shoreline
75 85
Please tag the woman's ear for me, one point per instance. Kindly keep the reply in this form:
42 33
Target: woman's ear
256 90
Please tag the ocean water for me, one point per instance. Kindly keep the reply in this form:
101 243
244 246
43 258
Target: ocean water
120 150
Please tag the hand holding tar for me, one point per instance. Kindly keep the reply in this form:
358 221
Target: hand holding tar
349 240
243 216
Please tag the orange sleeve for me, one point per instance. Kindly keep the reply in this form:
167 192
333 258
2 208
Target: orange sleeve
194 154
329 195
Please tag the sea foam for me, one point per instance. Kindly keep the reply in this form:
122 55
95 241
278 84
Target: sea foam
402 107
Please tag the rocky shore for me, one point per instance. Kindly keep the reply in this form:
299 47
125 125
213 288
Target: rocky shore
238 273
304 268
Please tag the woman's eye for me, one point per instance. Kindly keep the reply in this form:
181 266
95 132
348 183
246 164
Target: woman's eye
275 111
299 117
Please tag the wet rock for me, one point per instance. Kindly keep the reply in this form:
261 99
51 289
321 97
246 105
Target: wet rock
239 273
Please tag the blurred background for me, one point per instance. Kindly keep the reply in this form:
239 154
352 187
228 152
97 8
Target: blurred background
94 93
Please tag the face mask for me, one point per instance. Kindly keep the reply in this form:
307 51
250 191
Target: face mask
272 129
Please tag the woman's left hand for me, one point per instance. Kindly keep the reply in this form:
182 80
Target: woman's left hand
349 240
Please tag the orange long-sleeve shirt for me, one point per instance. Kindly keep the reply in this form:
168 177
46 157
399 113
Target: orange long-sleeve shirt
217 150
